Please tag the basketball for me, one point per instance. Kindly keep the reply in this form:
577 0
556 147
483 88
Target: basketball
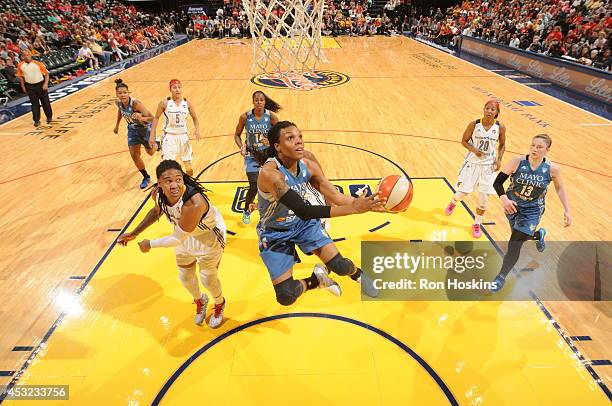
398 191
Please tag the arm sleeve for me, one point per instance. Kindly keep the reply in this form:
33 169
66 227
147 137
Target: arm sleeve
292 200
171 240
498 185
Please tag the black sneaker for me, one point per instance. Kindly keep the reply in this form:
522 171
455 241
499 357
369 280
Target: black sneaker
36 123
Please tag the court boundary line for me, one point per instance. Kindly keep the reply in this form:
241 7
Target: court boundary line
513 81
177 373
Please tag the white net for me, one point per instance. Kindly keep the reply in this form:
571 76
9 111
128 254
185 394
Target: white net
286 34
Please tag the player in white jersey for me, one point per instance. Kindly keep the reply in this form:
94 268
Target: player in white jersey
175 143
198 237
485 140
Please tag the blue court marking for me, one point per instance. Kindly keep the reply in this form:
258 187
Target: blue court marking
77 277
544 310
385 224
7 373
113 229
580 338
416 240
599 362
230 232
339 239
447 392
23 348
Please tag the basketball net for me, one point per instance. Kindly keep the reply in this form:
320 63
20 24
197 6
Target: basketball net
288 41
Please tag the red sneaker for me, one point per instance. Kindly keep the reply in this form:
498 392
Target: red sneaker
476 231
201 304
450 208
217 317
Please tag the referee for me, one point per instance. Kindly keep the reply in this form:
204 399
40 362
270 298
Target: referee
34 79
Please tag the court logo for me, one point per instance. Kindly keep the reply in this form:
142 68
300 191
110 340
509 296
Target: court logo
317 79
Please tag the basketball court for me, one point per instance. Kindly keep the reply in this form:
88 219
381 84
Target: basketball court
117 326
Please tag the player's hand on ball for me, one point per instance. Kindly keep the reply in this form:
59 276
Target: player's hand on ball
125 238
509 205
363 204
145 245
567 219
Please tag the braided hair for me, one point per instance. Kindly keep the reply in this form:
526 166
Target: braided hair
270 104
273 138
165 165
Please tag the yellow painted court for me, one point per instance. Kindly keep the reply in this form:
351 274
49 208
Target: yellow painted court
122 333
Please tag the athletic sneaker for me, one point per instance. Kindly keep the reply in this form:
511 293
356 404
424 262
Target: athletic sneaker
325 282
540 244
145 182
476 231
499 282
246 217
217 317
201 304
450 208
367 285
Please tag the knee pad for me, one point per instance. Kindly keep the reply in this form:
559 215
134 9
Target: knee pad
341 266
288 291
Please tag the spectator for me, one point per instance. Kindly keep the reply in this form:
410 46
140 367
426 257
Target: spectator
87 55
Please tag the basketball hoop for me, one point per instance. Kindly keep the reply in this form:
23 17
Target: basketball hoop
286 35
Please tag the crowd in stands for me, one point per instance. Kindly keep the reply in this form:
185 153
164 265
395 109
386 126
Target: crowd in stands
93 33
579 30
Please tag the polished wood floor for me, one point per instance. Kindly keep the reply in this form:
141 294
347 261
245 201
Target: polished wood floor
65 186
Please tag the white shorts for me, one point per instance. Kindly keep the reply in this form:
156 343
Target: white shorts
314 197
176 147
206 248
474 175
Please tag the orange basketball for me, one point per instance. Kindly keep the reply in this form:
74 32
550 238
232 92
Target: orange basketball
397 190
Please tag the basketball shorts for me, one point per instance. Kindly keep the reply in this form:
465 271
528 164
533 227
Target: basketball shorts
206 248
138 136
250 165
526 219
472 176
176 147
277 247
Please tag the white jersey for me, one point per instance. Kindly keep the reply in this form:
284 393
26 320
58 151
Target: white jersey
176 117
486 141
210 225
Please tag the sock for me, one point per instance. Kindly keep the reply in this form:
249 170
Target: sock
144 173
478 219
312 282
356 275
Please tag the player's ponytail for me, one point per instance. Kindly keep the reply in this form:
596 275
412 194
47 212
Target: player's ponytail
119 84
270 104
273 138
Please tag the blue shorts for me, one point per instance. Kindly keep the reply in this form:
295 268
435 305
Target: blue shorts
250 164
138 135
526 219
277 248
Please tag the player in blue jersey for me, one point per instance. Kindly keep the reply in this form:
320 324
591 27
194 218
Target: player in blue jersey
287 220
523 201
138 120
256 122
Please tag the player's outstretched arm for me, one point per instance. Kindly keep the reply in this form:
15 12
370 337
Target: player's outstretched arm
555 173
272 181
151 217
191 213
323 185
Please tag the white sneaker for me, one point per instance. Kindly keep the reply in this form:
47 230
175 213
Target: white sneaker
325 282
217 317
201 304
